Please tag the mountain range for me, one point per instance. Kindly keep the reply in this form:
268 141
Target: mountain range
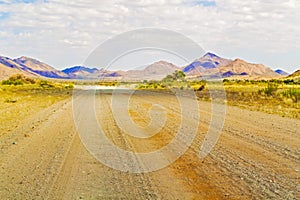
209 66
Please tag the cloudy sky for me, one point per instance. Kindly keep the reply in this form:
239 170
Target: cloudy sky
63 33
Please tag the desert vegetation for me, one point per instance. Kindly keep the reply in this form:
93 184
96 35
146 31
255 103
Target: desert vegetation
30 83
21 97
271 96
278 96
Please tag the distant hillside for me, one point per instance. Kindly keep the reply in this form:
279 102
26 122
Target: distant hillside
28 67
295 75
81 72
281 72
213 66
206 62
242 68
155 71
8 68
40 68
76 69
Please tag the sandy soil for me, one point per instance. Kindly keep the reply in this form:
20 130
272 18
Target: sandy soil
256 157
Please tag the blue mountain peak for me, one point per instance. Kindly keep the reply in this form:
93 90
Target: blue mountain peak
208 54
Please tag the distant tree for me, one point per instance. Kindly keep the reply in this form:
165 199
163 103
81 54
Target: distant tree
179 75
176 76
168 78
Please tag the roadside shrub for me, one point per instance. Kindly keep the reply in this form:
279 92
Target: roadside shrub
289 82
30 80
270 89
10 101
226 80
14 82
18 79
293 94
45 84
69 86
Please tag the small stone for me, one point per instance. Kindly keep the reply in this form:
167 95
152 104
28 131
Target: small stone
14 143
26 135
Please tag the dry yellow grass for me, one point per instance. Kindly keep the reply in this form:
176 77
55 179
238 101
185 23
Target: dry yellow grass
20 102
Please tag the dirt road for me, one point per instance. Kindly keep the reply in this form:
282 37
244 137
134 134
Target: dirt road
256 157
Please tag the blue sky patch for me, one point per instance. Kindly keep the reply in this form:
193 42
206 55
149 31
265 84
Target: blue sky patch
205 3
4 15
25 1
18 1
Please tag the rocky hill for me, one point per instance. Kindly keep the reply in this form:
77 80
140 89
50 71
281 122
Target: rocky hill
28 67
155 71
242 68
213 66
206 62
40 68
8 67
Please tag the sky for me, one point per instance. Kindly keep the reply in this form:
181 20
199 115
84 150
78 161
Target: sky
63 33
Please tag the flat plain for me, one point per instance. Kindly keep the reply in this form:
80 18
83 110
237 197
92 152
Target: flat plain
42 156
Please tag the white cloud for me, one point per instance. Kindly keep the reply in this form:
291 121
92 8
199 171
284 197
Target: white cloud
43 29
